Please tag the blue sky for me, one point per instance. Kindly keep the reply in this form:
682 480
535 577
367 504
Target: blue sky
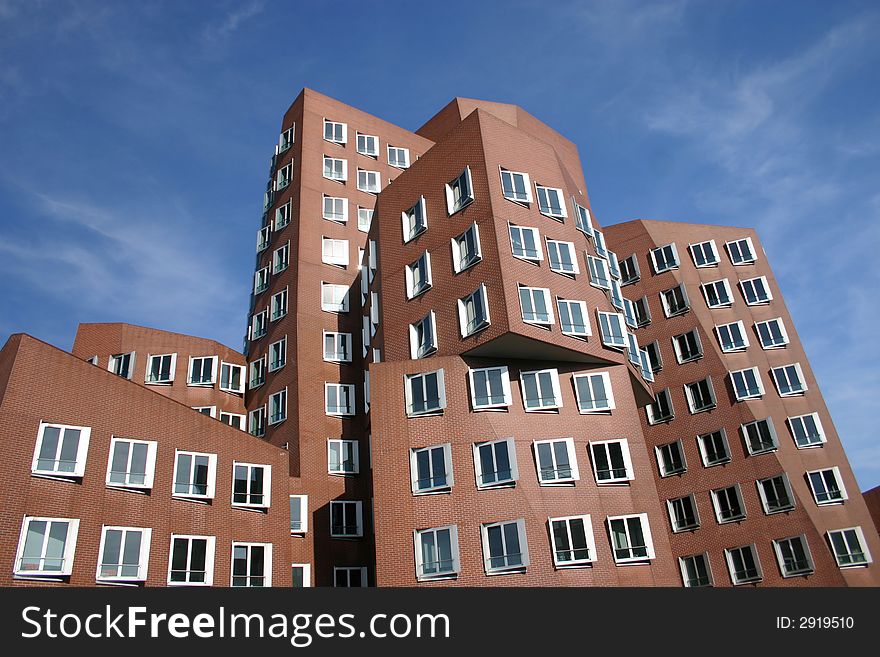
135 140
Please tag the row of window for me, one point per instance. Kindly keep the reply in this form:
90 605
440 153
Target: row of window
704 254
161 369
368 145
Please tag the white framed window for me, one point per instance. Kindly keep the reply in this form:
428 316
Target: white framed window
261 280
806 430
334 298
525 243
718 294
301 574
251 485
210 411
660 410
593 392
251 564
191 562
281 258
369 181
423 336
278 305
849 546
541 390
671 459
732 337
827 486
598 273
425 393
495 463
365 219
642 311
700 395
368 145
349 576
687 346
418 276
257 421
562 258
259 324
615 294
61 451
431 469
46 547
473 311
646 365
337 347
683 514
760 436
556 461
459 192
772 333
775 493
231 377
613 267
132 463
414 220
343 456
285 139
655 359
789 380
335 132
664 258
334 251
335 209
466 250
629 270
490 388
714 449
505 547
195 475
756 291
335 168
744 565
631 538
123 554
283 176
339 398
742 251
550 202
728 504
704 254
516 186
572 541
629 314
611 327
278 354
282 216
675 301
793 556
278 406
161 368
611 461
346 519
436 551
536 305
747 384
696 571
233 420
398 157
258 373
122 364
573 317
632 349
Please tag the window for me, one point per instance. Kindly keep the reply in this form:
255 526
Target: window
490 388
414 220
281 258
346 519
257 421
261 280
473 312
335 168
747 384
334 252
642 311
760 436
132 463
337 347
700 395
664 258
540 390
339 398
713 448
556 461
343 457
124 554
283 176
655 360
687 346
160 369
425 393
251 564
350 576
732 337
466 250
431 469
593 392
705 254
582 219
629 314
598 272
505 548
646 365
335 209
683 514
756 291
573 318
550 202
302 575
728 504
789 380
660 410
194 475
61 450
611 461
743 564
615 294
368 145
459 192
526 243
46 547
299 514
335 132
695 570
418 276
807 430
282 216
675 301
278 354
793 555
670 459
285 139
611 327
278 406
850 548
632 349
562 258
334 298
365 219
369 181
631 538
741 252
436 553
122 364
423 336
259 324
613 267
191 562
772 333
495 463
572 541
718 294
398 157
516 186
775 493
233 420
535 304
827 486
279 305
210 411
629 270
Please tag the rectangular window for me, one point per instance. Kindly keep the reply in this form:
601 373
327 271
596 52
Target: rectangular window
160 369
695 570
368 145
741 252
642 311
282 216
598 272
122 364
505 548
418 276
425 393
615 294
582 219
655 359
473 312
775 493
334 252
850 548
700 395
278 354
342 457
562 258
278 406
613 267
670 459
299 514
335 132
194 475
573 317
516 186
436 553
713 448
350 576
231 378
806 430
593 392
233 420
302 575
646 365
772 333
339 398
261 280
283 176
46 547
365 219
459 192
550 202
525 243
369 181
61 450
414 220
335 168
124 554
611 461
660 410
257 421
281 258
705 254
490 388
346 519
556 461
540 390
611 327
259 324
683 514
334 298
760 436
793 555
495 463
827 486
629 314
279 305
743 564
337 347
718 294
132 463
431 469
631 538
285 139
423 336
747 384
756 291
675 301
210 411
535 304
728 504
335 209
572 541
398 157
687 346
251 565
732 337
789 380
191 562
466 250
664 258
629 270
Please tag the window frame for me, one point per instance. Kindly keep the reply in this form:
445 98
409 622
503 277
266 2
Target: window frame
646 535
715 495
765 499
655 263
115 358
761 448
427 283
704 453
662 459
418 350
409 379
338 337
143 555
210 553
458 263
673 516
608 337
211 477
571 453
748 394
629 273
586 331
728 558
555 386
366 140
781 560
717 302
513 469
364 176
303 514
359 519
859 535
536 237
267 564
505 389
842 495
336 173
750 283
680 355
692 398
780 326
652 420
352 398
609 393
527 186
548 305
599 276
589 539
448 472
149 466
336 308
558 246
817 421
412 228
784 370
547 208
281 258
733 348
172 370
686 581
343 131
701 246
668 310
67 557
739 260
522 540
453 206
396 163
242 376
277 399
82 450
418 551
628 471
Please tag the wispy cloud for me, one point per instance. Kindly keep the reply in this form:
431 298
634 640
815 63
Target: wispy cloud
215 33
